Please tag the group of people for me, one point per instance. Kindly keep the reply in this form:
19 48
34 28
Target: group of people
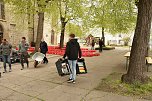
101 44
6 53
72 52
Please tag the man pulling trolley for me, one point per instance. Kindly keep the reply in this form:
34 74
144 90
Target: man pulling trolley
72 52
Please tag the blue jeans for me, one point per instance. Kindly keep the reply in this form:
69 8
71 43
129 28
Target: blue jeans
6 58
72 64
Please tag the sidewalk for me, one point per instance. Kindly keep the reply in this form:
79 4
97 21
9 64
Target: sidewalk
44 84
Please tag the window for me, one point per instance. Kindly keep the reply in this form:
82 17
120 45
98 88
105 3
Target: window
2 13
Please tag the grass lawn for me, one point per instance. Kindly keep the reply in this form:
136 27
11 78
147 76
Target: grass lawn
113 84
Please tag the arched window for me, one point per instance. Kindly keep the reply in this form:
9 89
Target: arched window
2 13
1 33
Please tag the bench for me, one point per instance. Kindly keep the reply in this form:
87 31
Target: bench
127 55
148 62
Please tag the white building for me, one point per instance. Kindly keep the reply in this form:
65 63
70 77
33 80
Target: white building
117 39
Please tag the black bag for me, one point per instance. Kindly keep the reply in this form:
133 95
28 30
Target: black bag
81 67
63 67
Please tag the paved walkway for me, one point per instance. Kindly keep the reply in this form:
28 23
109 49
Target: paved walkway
44 84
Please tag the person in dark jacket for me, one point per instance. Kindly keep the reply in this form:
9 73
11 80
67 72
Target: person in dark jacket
92 45
100 45
72 52
44 49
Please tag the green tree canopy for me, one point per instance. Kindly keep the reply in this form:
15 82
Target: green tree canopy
116 16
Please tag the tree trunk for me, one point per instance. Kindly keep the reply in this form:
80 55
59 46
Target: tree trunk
103 36
139 46
39 30
147 51
33 18
52 36
62 34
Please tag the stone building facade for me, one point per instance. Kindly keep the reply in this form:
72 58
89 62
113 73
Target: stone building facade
3 23
13 27
8 26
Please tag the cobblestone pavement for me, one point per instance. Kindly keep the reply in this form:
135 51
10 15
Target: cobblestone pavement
44 84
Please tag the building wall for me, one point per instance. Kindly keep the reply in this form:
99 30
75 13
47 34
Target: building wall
13 28
50 33
17 26
47 31
116 39
5 28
